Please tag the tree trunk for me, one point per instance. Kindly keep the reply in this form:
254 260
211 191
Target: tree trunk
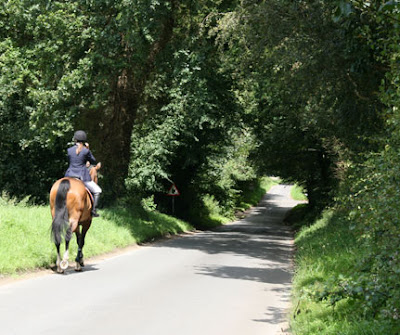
112 142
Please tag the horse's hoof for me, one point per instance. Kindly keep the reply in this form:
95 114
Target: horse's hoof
60 271
80 262
78 269
64 264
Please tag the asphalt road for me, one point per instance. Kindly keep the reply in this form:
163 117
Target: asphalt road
234 280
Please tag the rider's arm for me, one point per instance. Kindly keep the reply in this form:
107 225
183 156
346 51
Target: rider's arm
91 158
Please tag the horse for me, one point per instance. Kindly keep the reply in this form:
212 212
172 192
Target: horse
70 205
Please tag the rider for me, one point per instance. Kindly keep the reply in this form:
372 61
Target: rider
78 155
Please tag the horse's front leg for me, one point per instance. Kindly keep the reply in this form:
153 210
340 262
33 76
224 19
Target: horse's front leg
80 238
79 256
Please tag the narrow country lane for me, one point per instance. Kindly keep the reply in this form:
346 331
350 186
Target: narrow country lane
234 280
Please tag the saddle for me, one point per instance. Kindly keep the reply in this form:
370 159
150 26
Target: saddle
90 196
88 192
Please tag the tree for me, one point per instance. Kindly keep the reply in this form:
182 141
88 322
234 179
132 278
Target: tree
189 124
307 83
42 78
69 65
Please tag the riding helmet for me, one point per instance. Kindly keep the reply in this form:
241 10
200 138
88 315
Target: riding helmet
80 136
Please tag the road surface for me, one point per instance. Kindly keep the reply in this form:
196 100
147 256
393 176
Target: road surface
233 280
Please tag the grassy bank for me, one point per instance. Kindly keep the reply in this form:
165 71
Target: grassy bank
327 252
297 193
25 234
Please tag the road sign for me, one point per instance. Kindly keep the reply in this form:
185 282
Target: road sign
173 191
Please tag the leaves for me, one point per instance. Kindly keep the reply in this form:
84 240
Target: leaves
343 10
389 5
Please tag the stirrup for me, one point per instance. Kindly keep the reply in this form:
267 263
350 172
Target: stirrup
95 214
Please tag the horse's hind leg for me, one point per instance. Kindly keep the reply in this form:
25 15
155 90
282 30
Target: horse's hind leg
80 238
64 263
59 270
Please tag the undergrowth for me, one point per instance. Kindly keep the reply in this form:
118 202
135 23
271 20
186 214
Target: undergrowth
298 193
326 297
213 214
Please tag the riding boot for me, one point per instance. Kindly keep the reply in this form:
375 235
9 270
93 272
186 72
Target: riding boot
95 203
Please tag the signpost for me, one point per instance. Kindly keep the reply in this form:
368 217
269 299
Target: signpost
173 192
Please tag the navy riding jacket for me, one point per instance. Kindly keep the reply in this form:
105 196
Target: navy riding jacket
77 163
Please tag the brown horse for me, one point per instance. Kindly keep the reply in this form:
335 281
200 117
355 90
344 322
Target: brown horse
70 206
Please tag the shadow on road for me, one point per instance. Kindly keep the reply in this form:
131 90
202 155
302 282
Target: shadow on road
71 269
274 315
263 275
260 237
258 245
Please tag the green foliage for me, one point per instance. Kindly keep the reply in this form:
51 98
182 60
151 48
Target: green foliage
326 301
253 191
209 212
364 291
309 85
189 129
68 65
297 193
373 214
42 79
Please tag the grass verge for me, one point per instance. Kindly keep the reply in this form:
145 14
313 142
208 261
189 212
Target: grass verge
25 242
327 250
297 193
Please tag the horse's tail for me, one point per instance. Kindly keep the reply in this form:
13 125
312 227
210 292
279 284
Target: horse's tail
60 224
